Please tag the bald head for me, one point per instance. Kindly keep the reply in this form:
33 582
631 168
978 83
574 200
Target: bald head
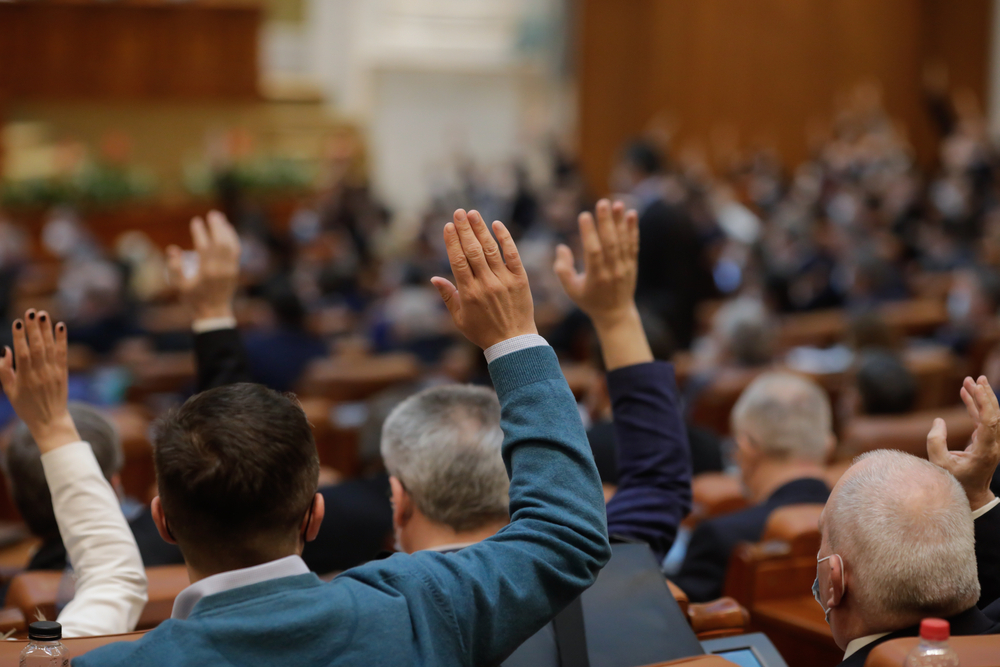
904 528
785 416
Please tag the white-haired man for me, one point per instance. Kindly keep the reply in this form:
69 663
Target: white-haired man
901 537
783 429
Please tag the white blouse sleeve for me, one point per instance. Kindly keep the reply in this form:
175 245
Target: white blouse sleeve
110 578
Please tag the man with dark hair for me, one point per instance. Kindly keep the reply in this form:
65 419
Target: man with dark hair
242 502
885 385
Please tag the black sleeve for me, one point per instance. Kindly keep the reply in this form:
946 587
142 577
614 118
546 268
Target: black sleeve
220 359
988 556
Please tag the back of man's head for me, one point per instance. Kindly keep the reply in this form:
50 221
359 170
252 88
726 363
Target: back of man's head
885 385
237 472
785 416
644 157
22 464
746 331
904 529
443 445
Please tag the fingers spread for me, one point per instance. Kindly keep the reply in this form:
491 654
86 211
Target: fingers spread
510 254
593 256
566 270
449 294
224 235
632 233
456 256
621 230
21 357
36 342
937 442
200 235
607 232
490 248
48 337
967 391
470 244
62 347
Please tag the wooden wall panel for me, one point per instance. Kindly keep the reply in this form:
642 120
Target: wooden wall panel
761 70
64 49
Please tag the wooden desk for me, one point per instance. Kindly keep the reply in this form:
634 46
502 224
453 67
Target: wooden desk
151 49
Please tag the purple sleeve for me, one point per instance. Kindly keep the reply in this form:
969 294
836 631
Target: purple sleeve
654 461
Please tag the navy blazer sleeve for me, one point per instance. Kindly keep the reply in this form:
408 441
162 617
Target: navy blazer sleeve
220 358
654 460
988 556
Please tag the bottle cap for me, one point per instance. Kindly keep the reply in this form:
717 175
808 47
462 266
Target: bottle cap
934 629
45 631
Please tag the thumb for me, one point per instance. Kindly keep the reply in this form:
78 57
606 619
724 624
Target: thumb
449 294
937 442
565 269
8 379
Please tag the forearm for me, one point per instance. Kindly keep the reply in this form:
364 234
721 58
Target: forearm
507 587
623 340
111 581
220 358
654 487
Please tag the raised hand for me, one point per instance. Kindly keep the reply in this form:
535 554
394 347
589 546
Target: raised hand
974 466
39 387
606 288
208 288
493 300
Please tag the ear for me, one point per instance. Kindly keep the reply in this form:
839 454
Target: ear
315 518
160 519
746 452
402 504
836 586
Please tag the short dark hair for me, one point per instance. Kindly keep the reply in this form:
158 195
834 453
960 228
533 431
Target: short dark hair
885 384
22 465
644 157
237 470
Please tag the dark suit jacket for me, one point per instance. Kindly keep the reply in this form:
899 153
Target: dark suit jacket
703 572
974 621
673 276
358 520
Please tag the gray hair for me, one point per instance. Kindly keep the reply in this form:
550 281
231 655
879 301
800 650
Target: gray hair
22 466
443 444
746 330
785 415
905 529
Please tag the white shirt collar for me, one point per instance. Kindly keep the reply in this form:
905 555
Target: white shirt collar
451 547
856 645
289 566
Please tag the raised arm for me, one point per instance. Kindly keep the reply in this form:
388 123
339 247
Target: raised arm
110 579
654 489
497 593
974 468
207 288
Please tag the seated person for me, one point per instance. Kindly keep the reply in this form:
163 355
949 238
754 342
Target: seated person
358 519
904 539
110 578
237 475
783 431
22 466
883 385
442 446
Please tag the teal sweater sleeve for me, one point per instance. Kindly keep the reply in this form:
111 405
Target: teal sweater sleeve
499 592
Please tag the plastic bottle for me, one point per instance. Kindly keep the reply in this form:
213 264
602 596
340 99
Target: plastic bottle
45 647
933 649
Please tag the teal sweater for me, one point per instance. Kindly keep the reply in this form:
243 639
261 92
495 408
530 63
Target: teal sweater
470 607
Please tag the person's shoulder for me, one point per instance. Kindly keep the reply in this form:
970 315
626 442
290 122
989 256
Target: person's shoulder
744 525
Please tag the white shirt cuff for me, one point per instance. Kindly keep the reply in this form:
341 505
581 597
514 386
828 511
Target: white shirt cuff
514 344
213 324
985 508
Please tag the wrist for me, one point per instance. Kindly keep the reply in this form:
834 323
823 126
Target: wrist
611 321
212 312
980 499
55 432
497 340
